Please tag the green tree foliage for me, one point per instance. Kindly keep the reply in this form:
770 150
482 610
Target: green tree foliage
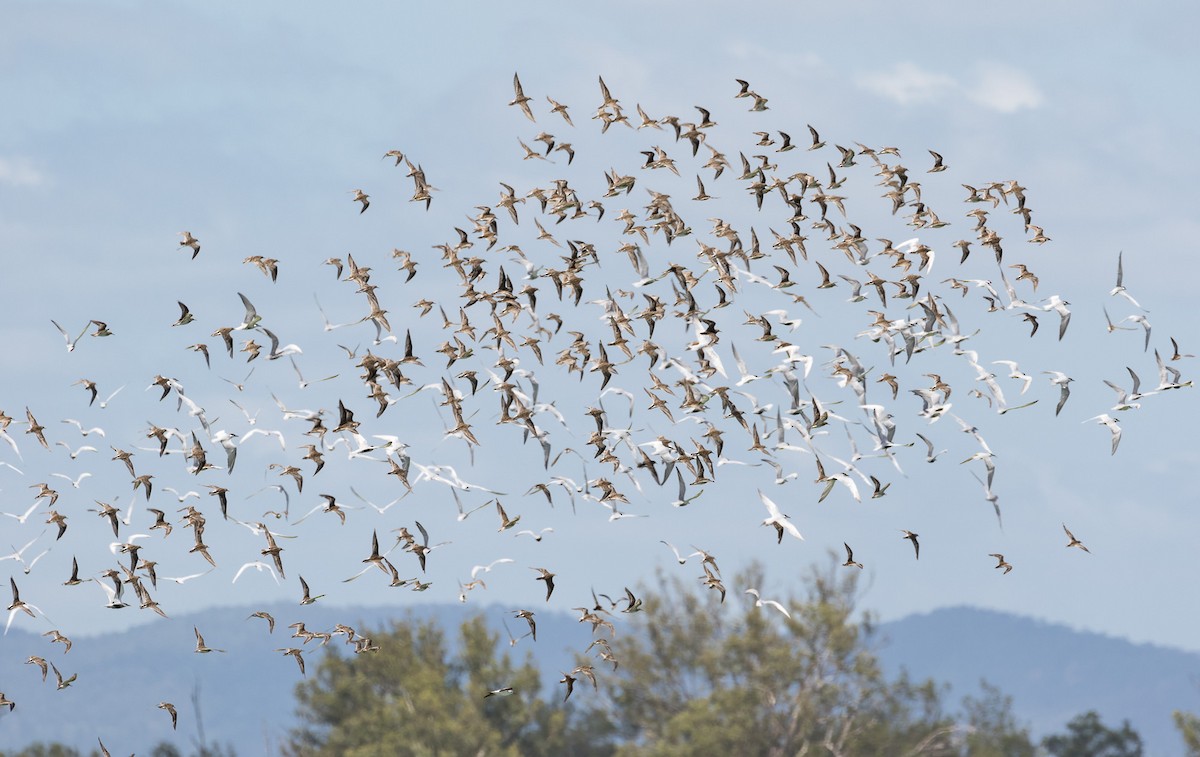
40 749
991 730
1189 729
702 676
1087 736
413 697
679 673
162 749
167 749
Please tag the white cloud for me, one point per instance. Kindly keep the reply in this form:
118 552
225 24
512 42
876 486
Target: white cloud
908 84
1004 89
992 86
742 50
20 172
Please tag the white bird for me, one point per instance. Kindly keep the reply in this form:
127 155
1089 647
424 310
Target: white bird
1142 321
128 511
194 411
793 355
277 352
760 602
28 566
74 481
394 445
360 449
19 554
257 565
932 406
680 558
380 510
67 337
985 456
475 571
848 482
681 498
1106 420
1015 372
780 478
225 439
931 456
22 518
299 375
119 547
1128 400
1112 326
250 419
1002 406
746 376
1059 305
329 325
181 496
12 443
73 453
19 606
991 497
185 579
1164 383
330 504
434 473
114 597
84 431
618 514
106 400
1061 380
464 514
1120 287
264 432
782 522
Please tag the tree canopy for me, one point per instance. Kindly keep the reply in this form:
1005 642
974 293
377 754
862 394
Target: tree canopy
685 673
706 674
1087 736
1189 729
417 696
671 670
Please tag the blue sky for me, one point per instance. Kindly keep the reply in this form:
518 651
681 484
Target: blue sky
250 127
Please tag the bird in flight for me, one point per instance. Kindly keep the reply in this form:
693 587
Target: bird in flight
548 577
501 692
1073 541
307 599
170 708
296 653
190 241
760 602
201 647
850 563
777 519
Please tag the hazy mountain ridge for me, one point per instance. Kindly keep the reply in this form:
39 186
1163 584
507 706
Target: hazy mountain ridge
1051 671
246 694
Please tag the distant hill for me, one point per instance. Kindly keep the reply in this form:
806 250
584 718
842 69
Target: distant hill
1052 672
245 695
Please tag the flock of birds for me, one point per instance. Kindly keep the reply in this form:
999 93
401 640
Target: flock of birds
534 270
